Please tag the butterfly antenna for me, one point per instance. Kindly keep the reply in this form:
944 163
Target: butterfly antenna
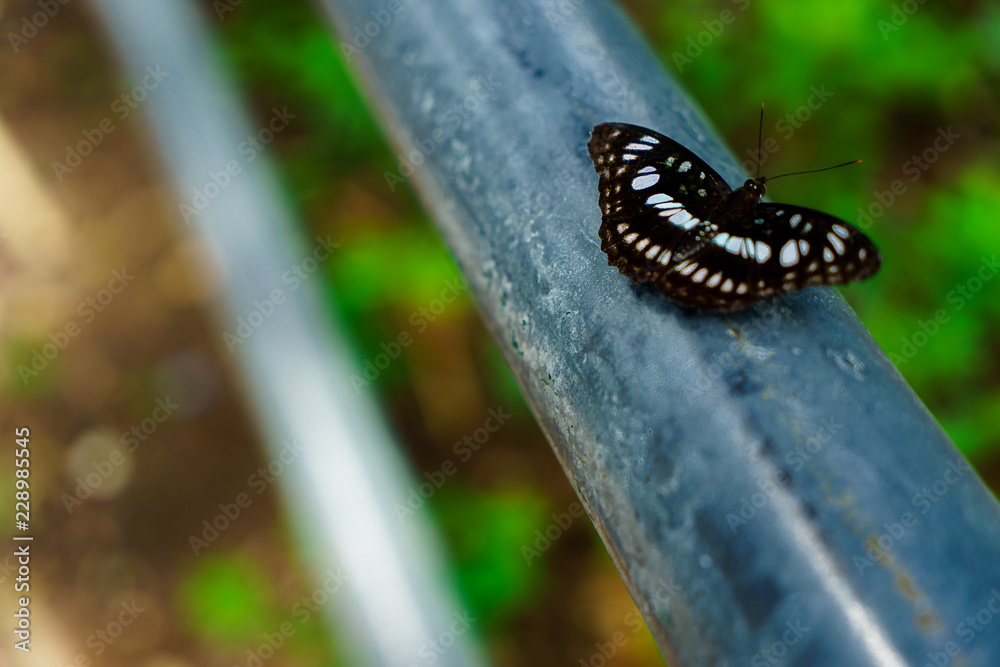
813 171
760 134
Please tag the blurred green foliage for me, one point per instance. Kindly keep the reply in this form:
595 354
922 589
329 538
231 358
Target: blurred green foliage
226 599
495 583
893 80
230 600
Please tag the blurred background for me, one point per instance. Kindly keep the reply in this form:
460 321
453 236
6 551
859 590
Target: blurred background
146 389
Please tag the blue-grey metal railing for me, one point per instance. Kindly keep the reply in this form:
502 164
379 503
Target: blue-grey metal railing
769 487
384 579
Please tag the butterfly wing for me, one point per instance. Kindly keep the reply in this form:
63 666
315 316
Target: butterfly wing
652 192
814 248
781 249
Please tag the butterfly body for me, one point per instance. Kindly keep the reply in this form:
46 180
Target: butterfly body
739 205
669 218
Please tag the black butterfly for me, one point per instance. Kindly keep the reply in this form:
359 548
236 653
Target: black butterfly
670 218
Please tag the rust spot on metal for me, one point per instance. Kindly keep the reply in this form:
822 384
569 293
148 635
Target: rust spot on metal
928 622
906 586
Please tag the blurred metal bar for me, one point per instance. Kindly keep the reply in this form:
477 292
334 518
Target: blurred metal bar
763 480
396 600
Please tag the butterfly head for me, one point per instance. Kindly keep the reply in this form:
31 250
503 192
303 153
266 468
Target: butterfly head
755 186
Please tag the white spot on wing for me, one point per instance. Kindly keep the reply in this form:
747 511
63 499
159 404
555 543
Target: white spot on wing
643 182
720 239
837 244
622 227
689 268
734 244
642 244
700 275
840 231
789 254
827 255
647 170
727 286
653 252
665 257
803 246
631 237
628 157
685 166
795 220
742 289
658 198
714 280
638 147
650 139
681 218
862 253
763 252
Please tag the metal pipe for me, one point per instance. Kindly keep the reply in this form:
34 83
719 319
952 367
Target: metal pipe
769 487
341 463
